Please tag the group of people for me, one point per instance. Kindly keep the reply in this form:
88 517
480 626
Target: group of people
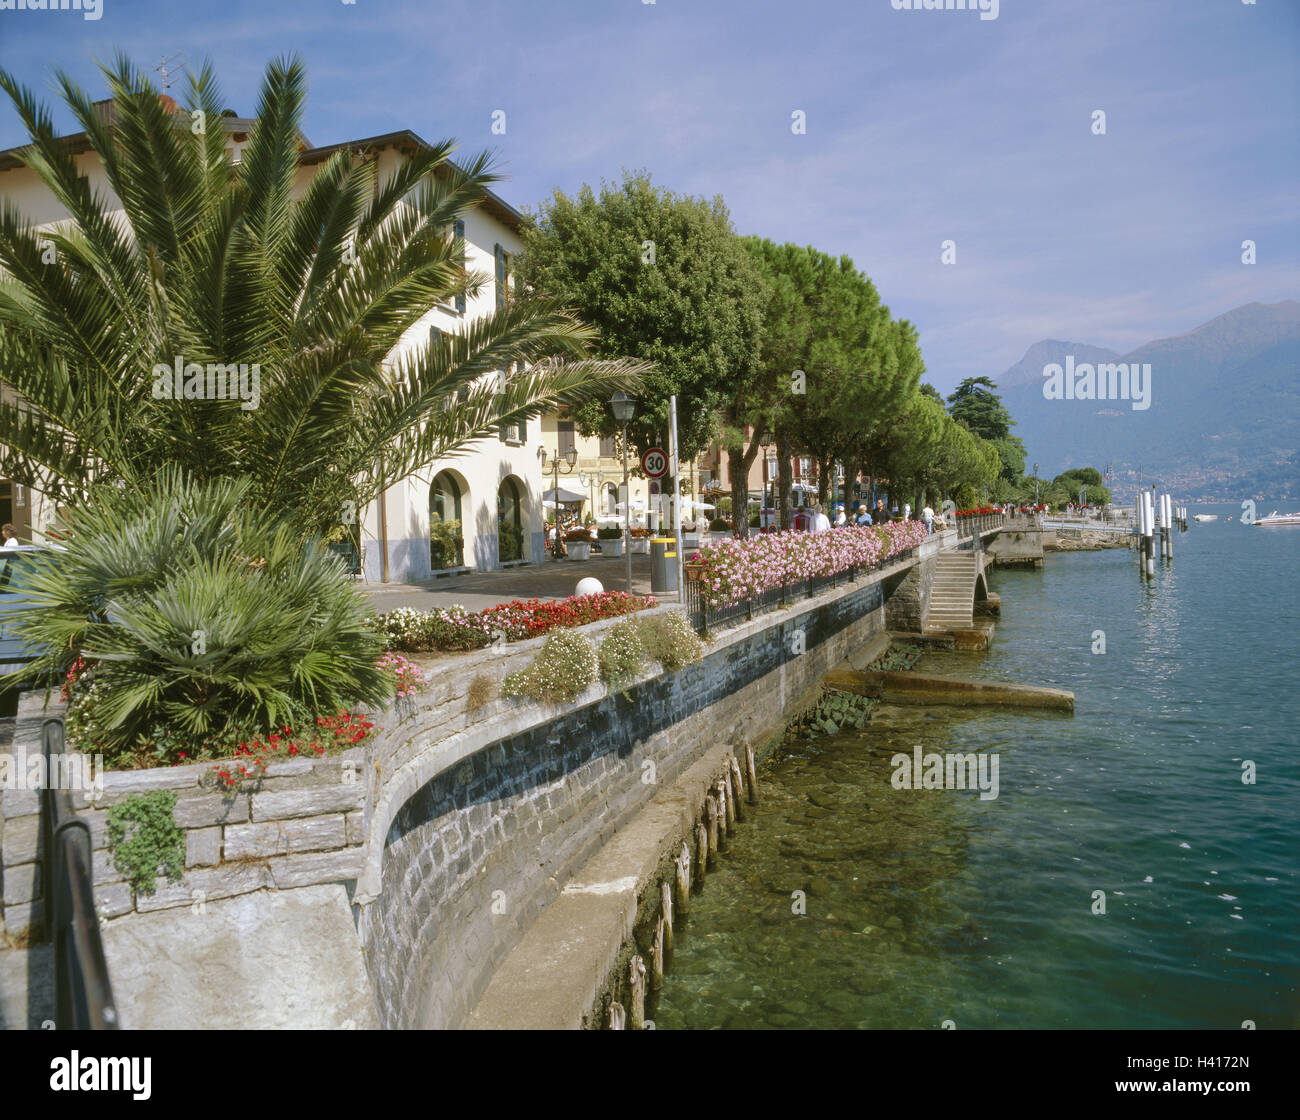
815 520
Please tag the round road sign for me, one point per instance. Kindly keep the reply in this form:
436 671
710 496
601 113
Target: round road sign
655 462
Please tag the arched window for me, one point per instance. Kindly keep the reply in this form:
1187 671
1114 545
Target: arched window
611 498
510 521
446 538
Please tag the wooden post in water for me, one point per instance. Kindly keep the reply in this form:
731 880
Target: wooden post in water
684 878
616 1019
657 956
752 774
701 851
666 911
711 816
724 800
636 993
737 788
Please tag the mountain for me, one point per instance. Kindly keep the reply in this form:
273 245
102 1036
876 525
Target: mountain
1224 408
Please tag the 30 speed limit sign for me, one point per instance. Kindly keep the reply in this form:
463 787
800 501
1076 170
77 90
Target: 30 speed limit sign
655 462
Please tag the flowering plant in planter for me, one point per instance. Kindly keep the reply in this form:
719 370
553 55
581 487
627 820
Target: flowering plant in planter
577 536
640 531
734 570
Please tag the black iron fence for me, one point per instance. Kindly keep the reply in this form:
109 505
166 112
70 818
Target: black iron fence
705 618
83 996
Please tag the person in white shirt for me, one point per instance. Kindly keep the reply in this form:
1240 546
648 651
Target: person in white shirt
821 523
907 510
927 515
10 535
840 519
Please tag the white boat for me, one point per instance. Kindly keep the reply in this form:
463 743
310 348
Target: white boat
1276 518
1205 517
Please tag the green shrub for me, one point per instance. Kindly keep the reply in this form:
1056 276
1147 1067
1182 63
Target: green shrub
566 665
622 653
444 543
609 532
753 521
510 542
203 613
154 846
720 525
669 639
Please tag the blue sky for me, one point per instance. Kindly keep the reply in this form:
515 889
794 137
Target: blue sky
921 126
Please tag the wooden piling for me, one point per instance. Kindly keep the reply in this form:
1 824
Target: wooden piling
684 879
751 774
616 1019
728 802
666 911
711 816
636 993
701 851
737 788
657 956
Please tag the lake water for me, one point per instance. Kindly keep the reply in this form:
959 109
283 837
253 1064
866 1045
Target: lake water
926 906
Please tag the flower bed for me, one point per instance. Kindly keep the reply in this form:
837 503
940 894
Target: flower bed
734 570
453 628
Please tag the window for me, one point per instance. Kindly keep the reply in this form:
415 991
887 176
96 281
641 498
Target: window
503 277
459 229
516 431
607 447
567 439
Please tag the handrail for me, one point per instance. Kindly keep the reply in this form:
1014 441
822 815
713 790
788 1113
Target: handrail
83 995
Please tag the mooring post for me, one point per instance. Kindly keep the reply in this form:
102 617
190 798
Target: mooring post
737 788
684 878
636 993
711 816
666 910
657 956
752 774
701 851
616 1020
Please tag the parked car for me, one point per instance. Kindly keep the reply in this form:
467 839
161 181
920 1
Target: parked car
14 563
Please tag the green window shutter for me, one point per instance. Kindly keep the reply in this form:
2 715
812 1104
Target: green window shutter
460 233
523 431
501 276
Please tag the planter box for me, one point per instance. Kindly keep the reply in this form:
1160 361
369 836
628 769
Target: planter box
640 546
694 572
612 548
578 550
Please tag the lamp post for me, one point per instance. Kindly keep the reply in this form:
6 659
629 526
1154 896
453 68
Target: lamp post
1035 487
769 499
570 458
623 407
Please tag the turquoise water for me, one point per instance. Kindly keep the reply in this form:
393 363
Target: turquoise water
929 906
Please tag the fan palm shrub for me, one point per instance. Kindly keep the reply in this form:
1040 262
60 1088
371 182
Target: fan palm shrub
198 259
200 613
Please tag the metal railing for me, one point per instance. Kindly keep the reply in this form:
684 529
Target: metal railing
83 996
705 618
979 523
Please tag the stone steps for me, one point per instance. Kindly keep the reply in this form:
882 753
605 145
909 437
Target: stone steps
952 592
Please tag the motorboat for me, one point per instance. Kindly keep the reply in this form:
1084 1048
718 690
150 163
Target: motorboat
1205 517
1276 518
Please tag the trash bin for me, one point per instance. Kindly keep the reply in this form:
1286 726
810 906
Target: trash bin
663 564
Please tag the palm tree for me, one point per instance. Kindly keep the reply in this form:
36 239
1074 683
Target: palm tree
217 263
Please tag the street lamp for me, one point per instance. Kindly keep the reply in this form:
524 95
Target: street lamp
1035 487
623 407
570 458
769 500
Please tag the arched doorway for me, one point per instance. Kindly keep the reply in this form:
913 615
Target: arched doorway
446 535
510 521
611 498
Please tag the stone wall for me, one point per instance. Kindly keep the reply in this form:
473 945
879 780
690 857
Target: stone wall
473 854
299 825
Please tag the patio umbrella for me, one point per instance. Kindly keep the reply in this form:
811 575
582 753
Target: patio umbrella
565 496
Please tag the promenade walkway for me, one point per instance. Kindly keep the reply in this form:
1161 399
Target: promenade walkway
553 579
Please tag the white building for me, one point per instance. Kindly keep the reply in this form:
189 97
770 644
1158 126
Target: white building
492 491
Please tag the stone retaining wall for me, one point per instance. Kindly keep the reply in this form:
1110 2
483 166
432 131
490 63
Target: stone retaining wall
300 824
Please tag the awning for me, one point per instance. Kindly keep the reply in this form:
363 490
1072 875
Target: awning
566 496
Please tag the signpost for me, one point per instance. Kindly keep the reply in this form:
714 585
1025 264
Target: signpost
654 462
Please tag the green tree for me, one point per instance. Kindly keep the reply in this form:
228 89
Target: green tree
975 404
663 278
219 263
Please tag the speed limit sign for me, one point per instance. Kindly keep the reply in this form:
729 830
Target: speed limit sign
655 462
